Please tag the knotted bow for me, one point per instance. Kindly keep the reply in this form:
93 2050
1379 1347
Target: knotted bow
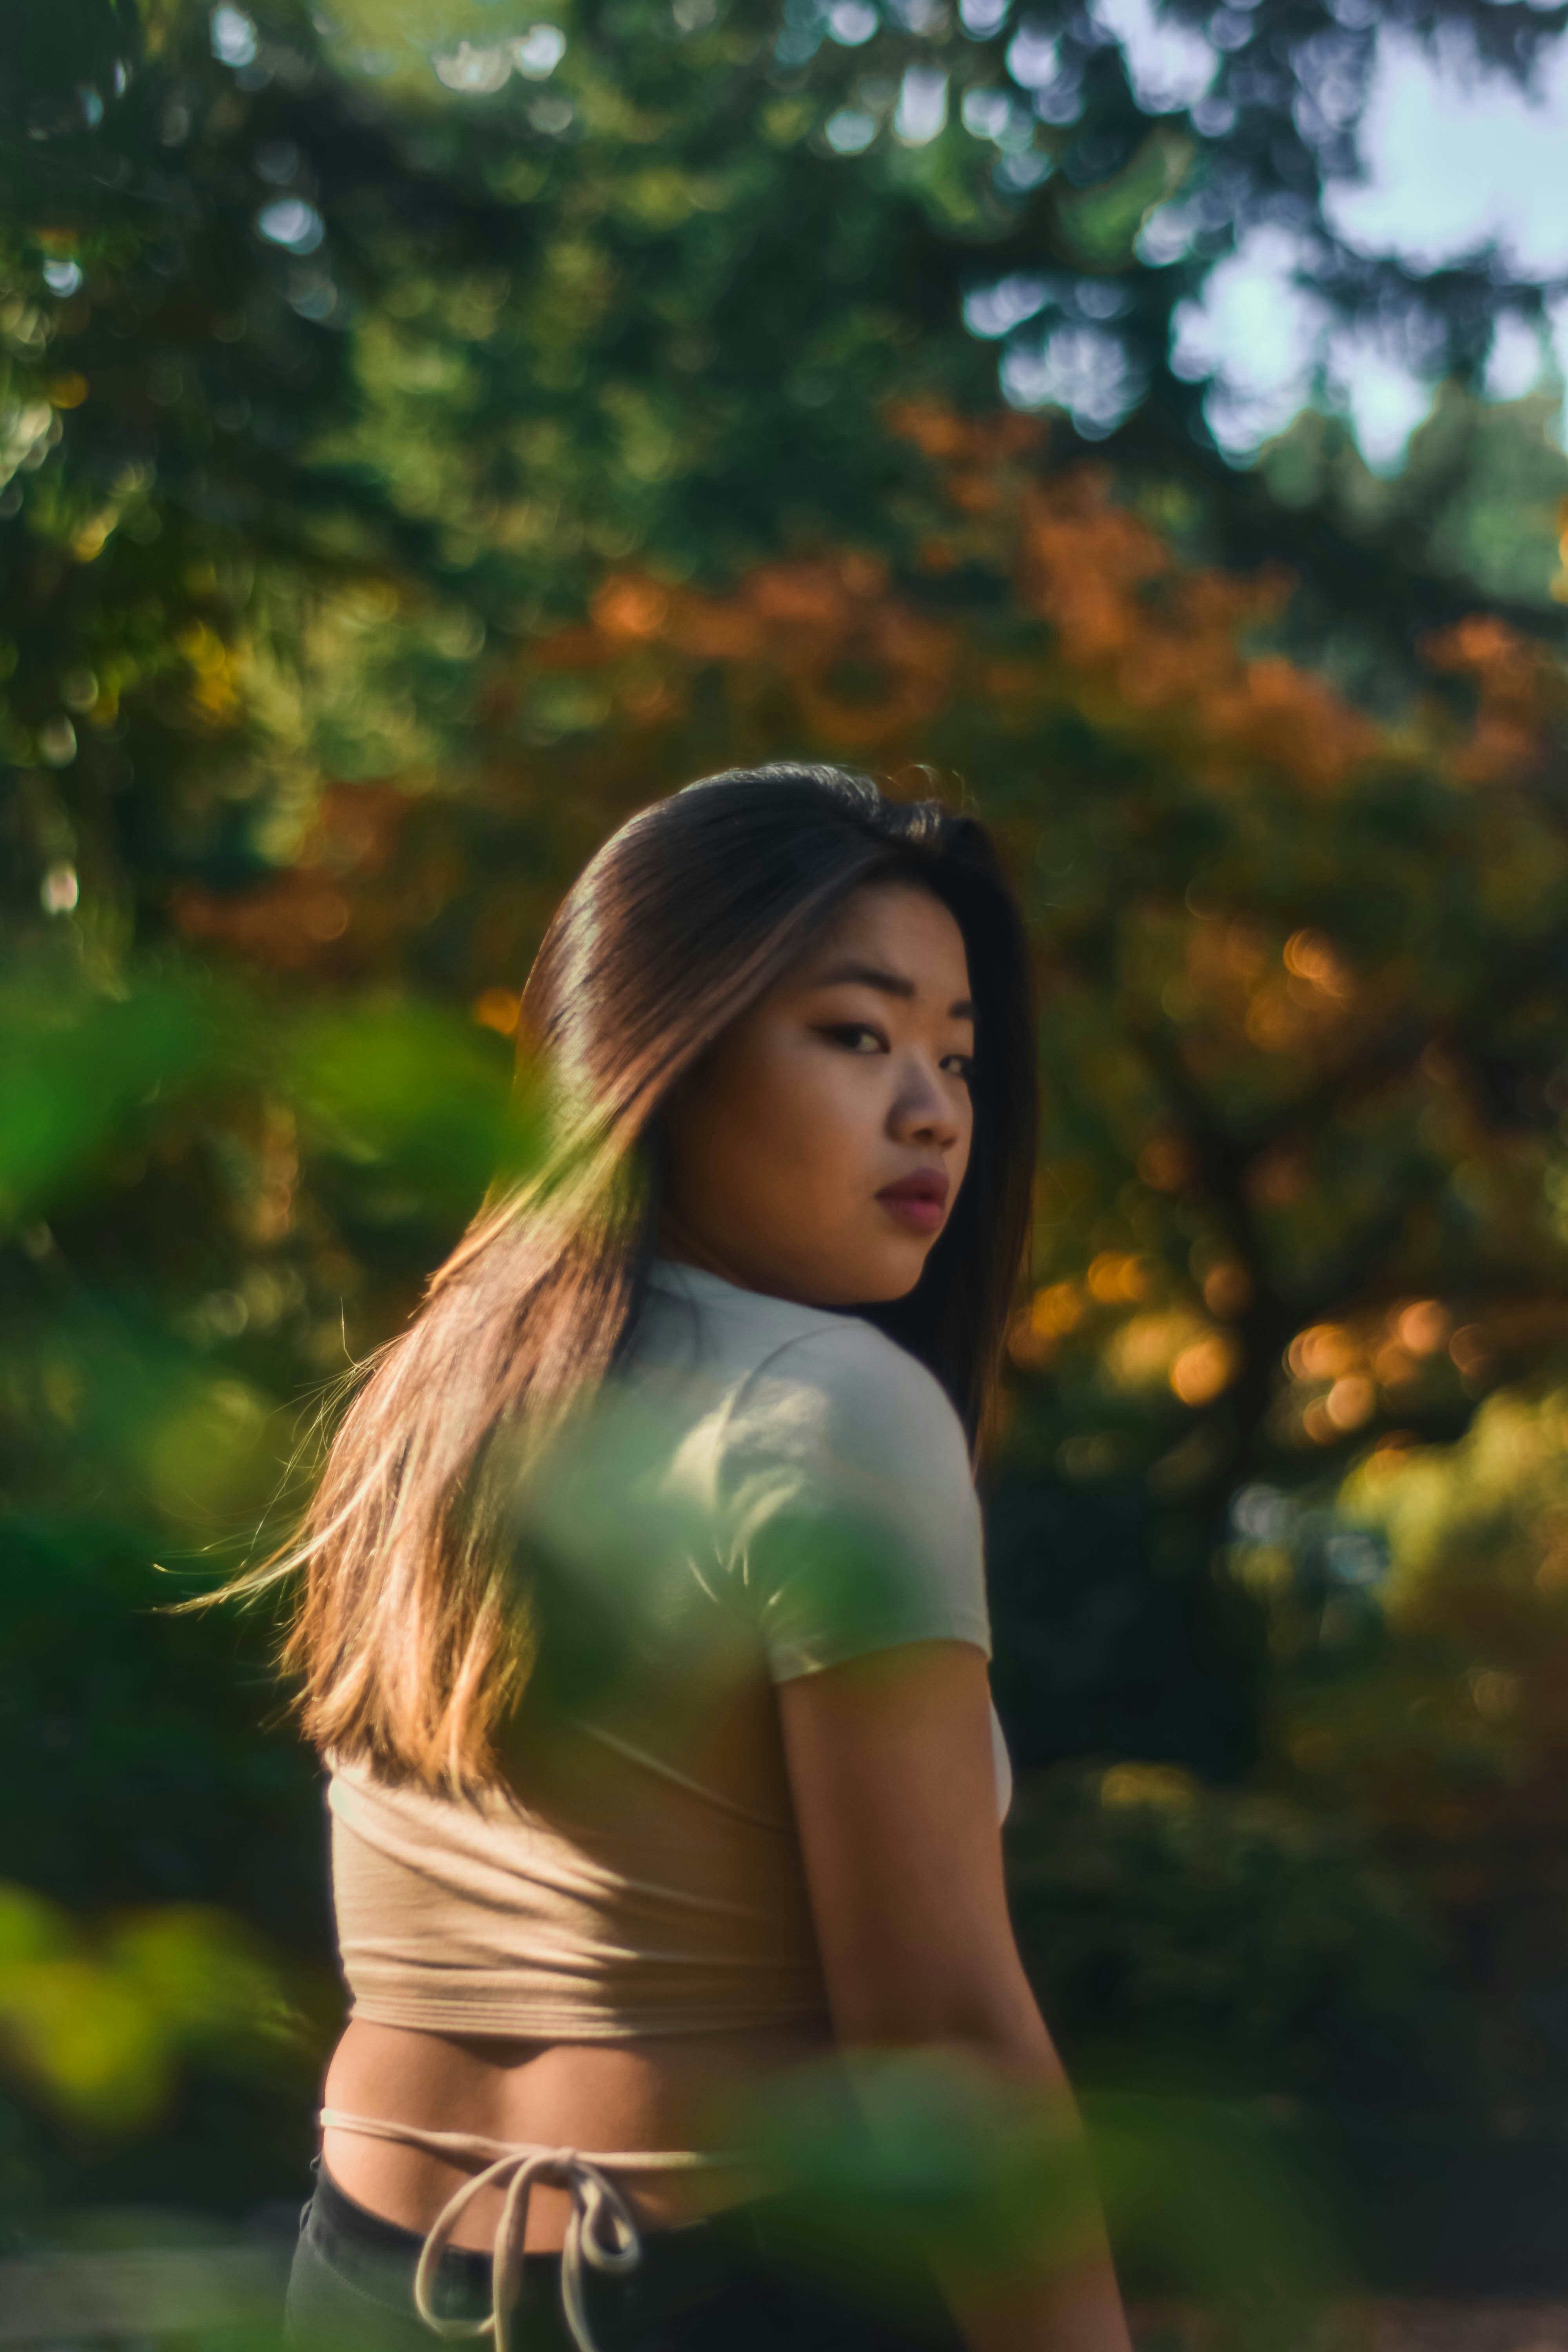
600 2232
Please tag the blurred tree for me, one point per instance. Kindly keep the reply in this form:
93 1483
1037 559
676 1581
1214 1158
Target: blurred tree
1422 1645
1215 1945
459 309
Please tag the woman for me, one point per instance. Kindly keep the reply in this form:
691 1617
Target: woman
644 1627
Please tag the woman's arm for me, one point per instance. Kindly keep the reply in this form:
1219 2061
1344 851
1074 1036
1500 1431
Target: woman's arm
892 1770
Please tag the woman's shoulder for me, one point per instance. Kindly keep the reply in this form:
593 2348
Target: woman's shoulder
798 1367
838 1475
864 1381
838 1407
690 1311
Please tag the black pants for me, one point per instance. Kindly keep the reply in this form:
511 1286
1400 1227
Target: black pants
734 2283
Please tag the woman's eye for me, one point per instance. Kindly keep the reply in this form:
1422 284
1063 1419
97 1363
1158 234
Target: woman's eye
856 1037
962 1066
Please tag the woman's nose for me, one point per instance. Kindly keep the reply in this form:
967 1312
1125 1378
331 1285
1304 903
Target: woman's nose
923 1111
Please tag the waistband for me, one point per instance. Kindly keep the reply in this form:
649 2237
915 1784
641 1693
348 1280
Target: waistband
601 2230
369 2251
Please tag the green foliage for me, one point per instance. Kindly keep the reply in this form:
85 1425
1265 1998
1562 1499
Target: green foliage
303 311
930 2152
1206 2199
1208 1942
97 2028
159 1301
1420 1639
406 1090
1480 492
76 1068
1214 2203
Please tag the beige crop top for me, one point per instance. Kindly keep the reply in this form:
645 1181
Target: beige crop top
763 1490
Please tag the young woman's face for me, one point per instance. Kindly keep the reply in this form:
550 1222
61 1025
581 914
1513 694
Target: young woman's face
817 1151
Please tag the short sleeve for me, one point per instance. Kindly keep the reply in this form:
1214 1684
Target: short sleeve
848 1510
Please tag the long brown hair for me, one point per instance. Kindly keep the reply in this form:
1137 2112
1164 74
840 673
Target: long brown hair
413 1635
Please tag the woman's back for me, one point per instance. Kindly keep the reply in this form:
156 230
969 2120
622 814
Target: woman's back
764 1490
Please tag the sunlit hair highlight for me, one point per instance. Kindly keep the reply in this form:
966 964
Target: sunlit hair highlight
414 1635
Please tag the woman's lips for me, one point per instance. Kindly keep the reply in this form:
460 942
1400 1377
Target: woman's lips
918 1202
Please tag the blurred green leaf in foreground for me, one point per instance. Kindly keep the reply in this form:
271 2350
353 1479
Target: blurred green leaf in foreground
97 2027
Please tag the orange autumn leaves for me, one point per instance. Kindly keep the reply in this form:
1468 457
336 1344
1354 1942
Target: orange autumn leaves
331 908
865 669
1100 615
1015 602
1148 642
1520 695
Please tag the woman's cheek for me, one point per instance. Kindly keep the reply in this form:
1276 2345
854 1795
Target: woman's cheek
850 1117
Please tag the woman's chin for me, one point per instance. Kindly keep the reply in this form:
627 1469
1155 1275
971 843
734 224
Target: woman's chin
858 1269
883 1275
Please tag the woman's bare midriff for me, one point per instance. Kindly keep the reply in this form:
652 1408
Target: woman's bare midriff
675 2092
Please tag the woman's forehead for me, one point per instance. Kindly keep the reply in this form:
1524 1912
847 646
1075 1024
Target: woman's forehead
895 928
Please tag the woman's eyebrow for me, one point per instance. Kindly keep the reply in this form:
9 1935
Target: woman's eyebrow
890 984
